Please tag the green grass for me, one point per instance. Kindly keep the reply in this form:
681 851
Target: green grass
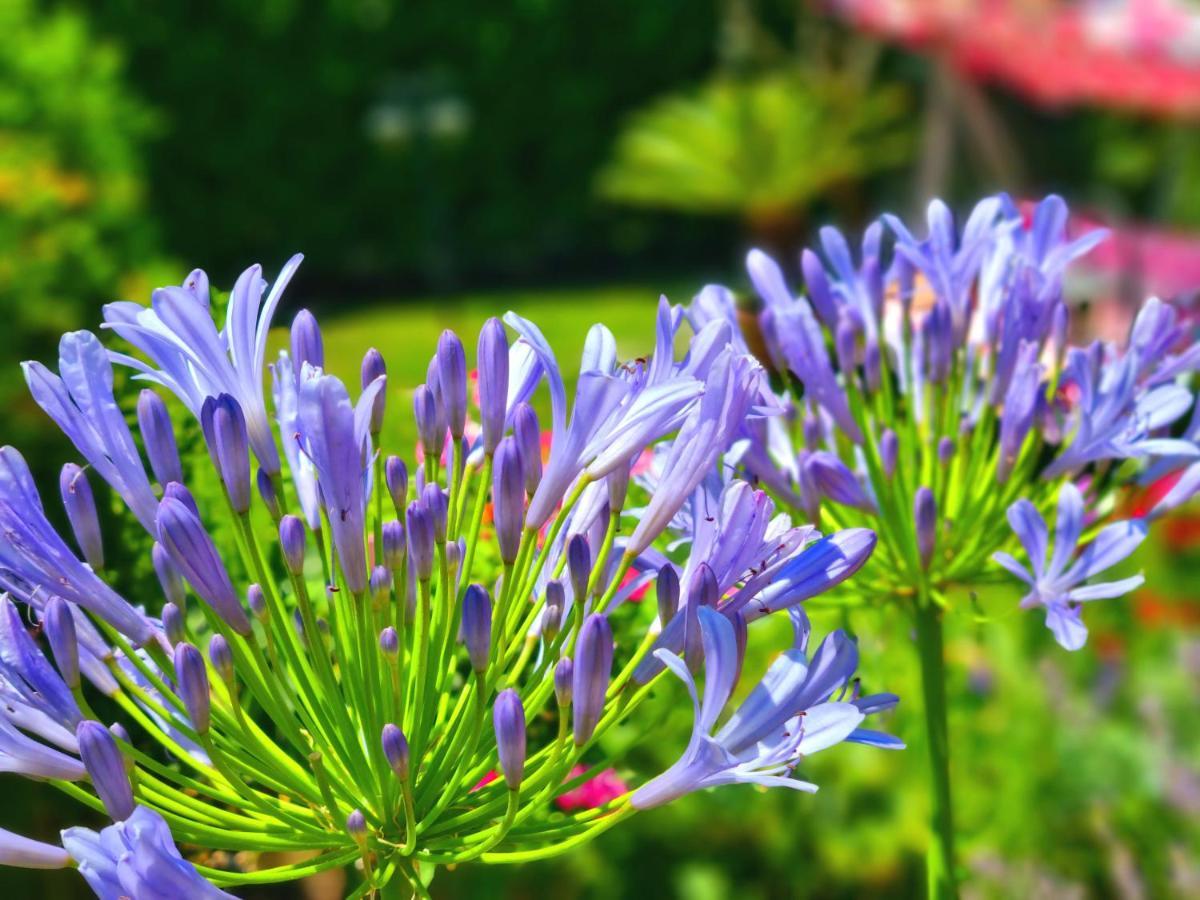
406 333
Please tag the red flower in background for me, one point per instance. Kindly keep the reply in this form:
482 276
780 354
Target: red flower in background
592 793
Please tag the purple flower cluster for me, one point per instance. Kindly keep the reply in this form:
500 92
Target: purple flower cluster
930 386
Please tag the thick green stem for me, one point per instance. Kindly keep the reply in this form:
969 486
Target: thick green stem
942 883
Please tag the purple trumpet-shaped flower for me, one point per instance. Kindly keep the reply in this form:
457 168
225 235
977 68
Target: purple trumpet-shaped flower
191 680
788 716
395 750
32 551
1057 585
339 445
508 717
508 499
196 362
925 518
80 401
137 858
26 853
492 360
106 768
81 514
193 552
59 624
592 671
26 674
224 429
158 437
374 367
477 626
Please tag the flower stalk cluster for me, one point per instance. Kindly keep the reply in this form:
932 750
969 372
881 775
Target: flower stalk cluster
387 663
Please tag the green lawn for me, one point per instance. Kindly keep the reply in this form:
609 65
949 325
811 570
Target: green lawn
406 333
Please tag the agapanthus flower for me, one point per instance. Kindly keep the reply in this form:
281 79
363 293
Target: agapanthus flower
1057 584
980 402
930 392
367 681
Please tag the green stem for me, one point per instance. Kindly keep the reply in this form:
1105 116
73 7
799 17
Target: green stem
942 883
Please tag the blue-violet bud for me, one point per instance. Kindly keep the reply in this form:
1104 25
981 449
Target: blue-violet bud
192 550
191 683
477 625
508 499
508 717
158 437
492 362
105 765
593 669
81 513
59 624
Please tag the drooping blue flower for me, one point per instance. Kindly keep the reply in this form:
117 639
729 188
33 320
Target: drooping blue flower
1057 584
80 401
285 390
137 858
791 714
32 552
195 361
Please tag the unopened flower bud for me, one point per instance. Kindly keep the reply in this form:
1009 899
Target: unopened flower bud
356 826
395 473
945 450
666 588
593 669
431 425
452 378
221 656
173 623
564 682
169 576
889 449
438 504
393 544
395 750
191 683
508 717
105 766
618 487
257 601
420 539
381 584
579 565
59 624
374 367
192 550
224 427
81 514
389 642
291 541
492 362
552 615
925 516
158 437
477 625
306 343
528 436
508 499
266 490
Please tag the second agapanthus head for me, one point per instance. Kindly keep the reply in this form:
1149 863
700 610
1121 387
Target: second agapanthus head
931 387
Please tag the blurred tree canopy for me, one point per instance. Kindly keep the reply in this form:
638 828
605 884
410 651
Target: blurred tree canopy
70 182
401 143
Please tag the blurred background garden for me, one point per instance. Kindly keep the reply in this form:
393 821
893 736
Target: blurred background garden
441 162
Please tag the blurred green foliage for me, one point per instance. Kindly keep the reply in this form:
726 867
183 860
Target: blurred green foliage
71 188
761 147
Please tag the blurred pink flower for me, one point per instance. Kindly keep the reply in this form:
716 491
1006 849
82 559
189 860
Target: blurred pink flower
596 792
